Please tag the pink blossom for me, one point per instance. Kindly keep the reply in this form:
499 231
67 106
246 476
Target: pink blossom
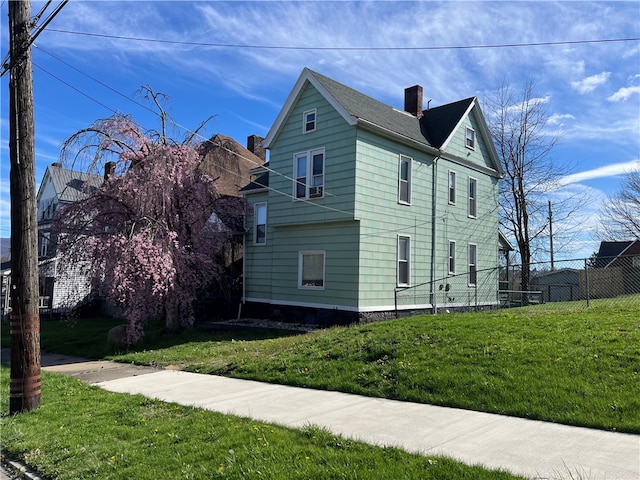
144 236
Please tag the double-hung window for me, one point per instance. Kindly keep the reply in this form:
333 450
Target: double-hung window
260 224
309 121
404 180
473 197
404 259
473 268
43 244
452 258
309 174
470 138
311 270
452 187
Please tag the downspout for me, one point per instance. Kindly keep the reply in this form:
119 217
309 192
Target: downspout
244 257
434 198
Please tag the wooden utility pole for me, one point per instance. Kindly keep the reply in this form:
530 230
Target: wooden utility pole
24 322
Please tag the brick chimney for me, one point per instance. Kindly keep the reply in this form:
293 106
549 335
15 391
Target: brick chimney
413 100
255 147
109 170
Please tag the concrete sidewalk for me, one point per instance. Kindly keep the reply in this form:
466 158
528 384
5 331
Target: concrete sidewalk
530 448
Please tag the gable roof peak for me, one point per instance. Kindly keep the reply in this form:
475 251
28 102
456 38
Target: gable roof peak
427 130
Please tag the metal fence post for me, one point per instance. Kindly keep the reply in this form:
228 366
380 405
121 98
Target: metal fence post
586 280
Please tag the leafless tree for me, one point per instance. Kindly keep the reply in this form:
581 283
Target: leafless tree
620 216
519 124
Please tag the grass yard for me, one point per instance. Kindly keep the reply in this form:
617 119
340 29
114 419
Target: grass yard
556 362
82 432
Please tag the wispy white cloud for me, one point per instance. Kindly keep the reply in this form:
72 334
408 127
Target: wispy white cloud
600 172
589 84
624 94
264 76
559 118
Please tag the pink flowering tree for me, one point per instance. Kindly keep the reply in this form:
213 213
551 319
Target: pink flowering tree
146 237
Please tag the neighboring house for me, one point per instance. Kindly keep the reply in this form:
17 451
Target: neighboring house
230 164
5 280
361 200
60 187
616 270
617 254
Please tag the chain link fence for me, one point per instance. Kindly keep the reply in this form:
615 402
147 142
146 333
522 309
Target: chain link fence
582 282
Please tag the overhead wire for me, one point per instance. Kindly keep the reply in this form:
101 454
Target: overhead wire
175 123
249 46
299 47
188 130
7 61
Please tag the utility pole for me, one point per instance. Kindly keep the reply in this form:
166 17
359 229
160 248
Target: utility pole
24 325
551 235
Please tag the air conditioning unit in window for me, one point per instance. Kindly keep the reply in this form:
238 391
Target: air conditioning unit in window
315 192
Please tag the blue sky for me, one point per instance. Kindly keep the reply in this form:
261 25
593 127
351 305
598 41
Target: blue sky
238 61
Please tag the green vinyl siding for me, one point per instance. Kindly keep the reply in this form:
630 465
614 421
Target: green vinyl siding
339 241
257 258
358 220
383 218
336 137
456 146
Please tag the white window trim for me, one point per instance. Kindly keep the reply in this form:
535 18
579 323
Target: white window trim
301 254
474 265
255 223
475 199
309 178
449 258
408 261
455 179
473 138
305 122
409 161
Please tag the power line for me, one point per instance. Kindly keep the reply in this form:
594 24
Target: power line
292 47
99 82
74 88
186 129
8 62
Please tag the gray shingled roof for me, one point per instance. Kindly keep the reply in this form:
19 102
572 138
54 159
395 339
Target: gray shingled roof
439 122
258 184
71 185
435 126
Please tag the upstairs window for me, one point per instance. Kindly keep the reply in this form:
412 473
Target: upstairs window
473 197
473 268
470 138
309 121
260 224
43 244
404 253
309 174
404 180
452 187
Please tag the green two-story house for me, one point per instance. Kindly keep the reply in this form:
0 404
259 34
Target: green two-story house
365 210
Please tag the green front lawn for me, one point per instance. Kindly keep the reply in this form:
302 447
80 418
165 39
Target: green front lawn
555 362
82 432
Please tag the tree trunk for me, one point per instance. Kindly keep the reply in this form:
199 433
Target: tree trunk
25 319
